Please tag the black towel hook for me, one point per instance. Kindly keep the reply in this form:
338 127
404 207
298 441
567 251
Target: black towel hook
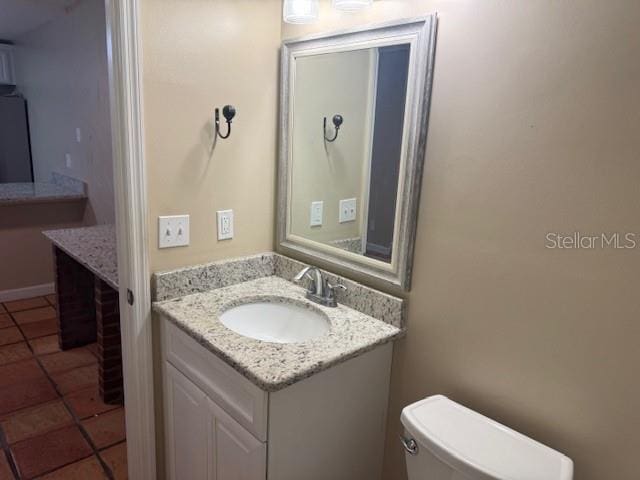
228 111
337 121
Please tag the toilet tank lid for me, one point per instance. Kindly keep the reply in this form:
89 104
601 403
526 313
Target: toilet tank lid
480 447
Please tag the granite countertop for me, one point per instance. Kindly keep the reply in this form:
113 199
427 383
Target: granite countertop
25 193
93 247
273 366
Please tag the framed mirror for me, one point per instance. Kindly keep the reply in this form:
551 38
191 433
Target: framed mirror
353 128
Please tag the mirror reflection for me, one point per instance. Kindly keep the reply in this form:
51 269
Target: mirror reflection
346 148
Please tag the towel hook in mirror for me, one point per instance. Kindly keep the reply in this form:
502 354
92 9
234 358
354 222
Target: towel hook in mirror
228 111
337 121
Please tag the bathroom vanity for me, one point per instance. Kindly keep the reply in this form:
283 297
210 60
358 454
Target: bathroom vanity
259 381
239 407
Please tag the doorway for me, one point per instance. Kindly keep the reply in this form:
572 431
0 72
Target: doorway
74 422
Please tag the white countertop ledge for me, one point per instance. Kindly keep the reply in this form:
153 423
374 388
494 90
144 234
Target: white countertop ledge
273 366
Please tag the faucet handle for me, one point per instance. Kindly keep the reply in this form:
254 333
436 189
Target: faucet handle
331 289
331 293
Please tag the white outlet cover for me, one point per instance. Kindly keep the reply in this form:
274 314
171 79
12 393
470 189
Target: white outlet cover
347 211
315 215
225 224
67 159
173 231
78 135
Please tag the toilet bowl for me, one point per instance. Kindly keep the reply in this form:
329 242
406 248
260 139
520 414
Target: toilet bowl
445 441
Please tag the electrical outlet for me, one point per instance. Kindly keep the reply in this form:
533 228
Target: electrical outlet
315 219
78 135
225 224
173 231
67 159
347 211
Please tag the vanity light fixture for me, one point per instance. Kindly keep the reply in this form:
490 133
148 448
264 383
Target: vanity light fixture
351 5
300 11
228 112
337 121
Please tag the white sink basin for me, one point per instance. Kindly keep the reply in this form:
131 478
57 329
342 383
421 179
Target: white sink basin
275 322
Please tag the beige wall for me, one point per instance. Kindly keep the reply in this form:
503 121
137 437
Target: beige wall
61 69
199 55
325 85
533 129
26 258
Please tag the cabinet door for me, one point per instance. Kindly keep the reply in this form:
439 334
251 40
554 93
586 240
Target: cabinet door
186 414
235 453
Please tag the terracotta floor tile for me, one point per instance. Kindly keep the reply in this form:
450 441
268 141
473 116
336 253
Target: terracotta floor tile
5 321
52 299
47 452
106 429
40 329
44 345
67 360
34 421
93 348
26 394
76 379
116 458
26 304
10 335
14 353
87 469
35 315
87 403
19 372
5 469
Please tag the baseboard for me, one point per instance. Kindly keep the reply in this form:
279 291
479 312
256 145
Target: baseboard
27 292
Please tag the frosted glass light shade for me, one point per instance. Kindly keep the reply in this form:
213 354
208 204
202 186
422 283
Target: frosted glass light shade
300 11
351 5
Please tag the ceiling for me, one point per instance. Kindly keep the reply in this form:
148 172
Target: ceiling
22 16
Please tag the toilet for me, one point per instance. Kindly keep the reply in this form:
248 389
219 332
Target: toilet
445 441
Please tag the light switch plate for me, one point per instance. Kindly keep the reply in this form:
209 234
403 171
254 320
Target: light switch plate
225 224
315 217
347 210
173 231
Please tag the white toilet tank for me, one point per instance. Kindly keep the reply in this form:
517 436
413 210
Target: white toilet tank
446 441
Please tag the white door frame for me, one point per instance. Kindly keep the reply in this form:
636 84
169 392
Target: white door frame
124 58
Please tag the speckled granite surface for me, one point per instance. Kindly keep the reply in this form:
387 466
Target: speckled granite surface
353 245
273 366
69 183
22 193
93 247
202 278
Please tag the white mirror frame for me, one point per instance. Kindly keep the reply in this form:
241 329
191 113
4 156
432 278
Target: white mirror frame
420 33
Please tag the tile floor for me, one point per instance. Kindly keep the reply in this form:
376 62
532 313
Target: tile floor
52 422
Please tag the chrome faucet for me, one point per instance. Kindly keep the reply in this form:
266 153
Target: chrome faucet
320 290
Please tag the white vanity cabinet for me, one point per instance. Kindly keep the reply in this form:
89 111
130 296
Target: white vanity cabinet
203 441
220 426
